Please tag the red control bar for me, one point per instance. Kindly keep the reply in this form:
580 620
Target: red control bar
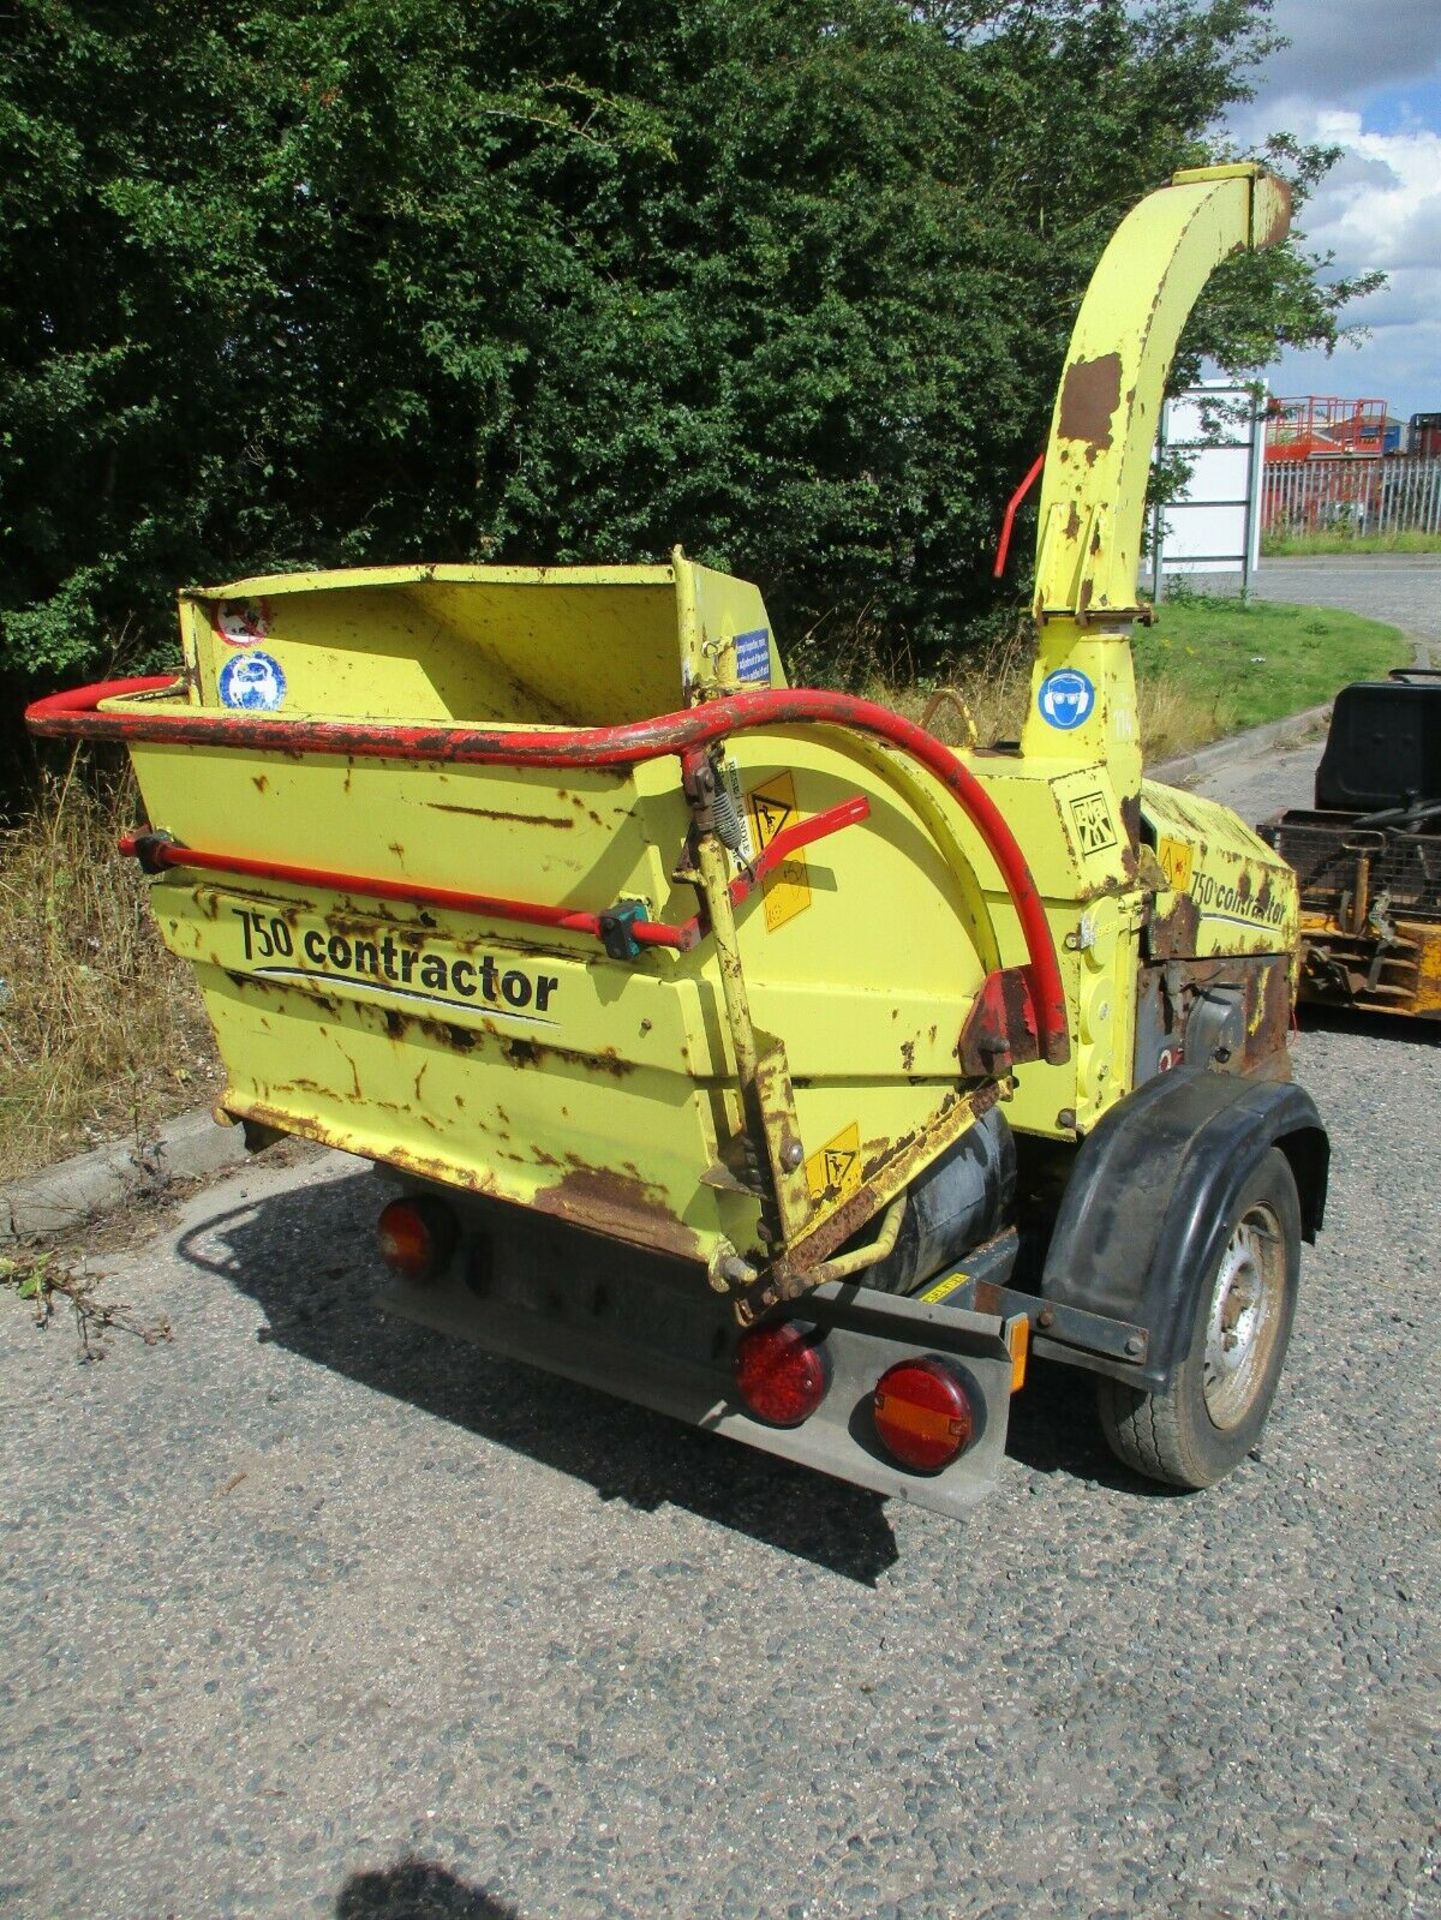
76 714
155 851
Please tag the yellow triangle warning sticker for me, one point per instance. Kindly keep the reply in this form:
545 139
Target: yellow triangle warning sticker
771 815
833 1173
772 809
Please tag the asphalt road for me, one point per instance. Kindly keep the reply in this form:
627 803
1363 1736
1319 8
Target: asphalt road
312 1614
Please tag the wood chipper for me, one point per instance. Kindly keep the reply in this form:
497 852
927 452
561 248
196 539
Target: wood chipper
743 1050
1368 855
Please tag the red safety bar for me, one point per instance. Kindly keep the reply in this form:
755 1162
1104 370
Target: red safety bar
76 714
156 851
1008 521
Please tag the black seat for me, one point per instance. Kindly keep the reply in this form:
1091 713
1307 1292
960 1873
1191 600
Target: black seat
1384 747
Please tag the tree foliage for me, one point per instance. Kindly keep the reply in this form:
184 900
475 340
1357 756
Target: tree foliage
362 281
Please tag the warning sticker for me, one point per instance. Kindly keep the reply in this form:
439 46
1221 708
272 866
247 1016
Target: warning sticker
943 1289
834 1174
753 655
1095 829
772 808
242 623
1176 857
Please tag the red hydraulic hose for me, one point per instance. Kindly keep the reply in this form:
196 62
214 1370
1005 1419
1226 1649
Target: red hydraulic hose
75 714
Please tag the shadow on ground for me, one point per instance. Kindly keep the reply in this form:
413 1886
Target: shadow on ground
306 1256
417 1890
1401 1028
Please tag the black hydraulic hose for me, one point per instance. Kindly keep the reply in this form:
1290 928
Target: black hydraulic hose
1402 819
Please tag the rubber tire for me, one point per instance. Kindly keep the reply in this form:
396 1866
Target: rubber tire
1169 1436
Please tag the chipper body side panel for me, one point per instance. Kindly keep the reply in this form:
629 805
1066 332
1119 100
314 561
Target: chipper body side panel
528 1063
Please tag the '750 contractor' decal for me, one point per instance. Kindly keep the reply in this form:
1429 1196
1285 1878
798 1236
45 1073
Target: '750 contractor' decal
411 966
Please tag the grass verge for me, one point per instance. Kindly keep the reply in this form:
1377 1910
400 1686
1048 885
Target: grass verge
1241 663
102 1033
1281 546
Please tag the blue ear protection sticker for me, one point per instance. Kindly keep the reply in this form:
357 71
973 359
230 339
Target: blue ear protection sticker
1067 699
253 682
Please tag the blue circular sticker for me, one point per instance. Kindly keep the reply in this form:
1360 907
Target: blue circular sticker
1066 699
254 682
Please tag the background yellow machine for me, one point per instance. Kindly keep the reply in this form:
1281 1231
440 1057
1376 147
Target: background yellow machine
1368 854
741 1049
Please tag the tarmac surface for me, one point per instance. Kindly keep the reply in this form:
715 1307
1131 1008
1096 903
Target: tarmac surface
310 1613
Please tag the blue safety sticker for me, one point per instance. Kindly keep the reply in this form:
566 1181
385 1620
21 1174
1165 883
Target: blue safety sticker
1067 699
753 654
253 682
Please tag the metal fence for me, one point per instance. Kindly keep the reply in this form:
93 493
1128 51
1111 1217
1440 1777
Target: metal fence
1352 496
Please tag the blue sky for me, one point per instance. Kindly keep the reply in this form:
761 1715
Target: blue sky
1365 75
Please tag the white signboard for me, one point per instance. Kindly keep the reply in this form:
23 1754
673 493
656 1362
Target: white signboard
1215 525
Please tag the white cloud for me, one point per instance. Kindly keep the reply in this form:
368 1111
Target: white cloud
1379 209
1349 72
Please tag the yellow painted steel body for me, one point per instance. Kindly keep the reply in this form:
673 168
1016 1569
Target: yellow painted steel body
1410 976
523 1061
530 1064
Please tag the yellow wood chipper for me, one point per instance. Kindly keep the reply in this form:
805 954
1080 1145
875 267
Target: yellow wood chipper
743 1050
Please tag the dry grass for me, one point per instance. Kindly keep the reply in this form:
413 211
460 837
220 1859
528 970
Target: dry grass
986 702
102 1034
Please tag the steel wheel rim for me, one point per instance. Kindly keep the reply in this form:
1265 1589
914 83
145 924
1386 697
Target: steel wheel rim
1244 1316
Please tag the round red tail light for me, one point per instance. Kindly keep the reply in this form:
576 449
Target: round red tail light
417 1236
923 1414
782 1373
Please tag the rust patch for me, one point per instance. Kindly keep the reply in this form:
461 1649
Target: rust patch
908 1055
498 813
608 1060
1073 522
259 781
620 1207
1131 821
885 1173
1175 935
1089 399
1000 1029
1280 222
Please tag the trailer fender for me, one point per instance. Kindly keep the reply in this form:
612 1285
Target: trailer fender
1143 1218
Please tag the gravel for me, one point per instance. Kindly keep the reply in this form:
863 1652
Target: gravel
313 1614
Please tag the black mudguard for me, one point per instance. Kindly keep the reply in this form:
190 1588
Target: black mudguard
1143 1218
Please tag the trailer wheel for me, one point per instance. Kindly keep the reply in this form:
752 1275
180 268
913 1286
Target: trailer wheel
1193 1432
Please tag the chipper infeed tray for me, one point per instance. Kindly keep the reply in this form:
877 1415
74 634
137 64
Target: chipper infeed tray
717 983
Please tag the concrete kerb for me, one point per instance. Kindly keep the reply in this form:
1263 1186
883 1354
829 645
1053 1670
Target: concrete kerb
74 1191
1287 732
